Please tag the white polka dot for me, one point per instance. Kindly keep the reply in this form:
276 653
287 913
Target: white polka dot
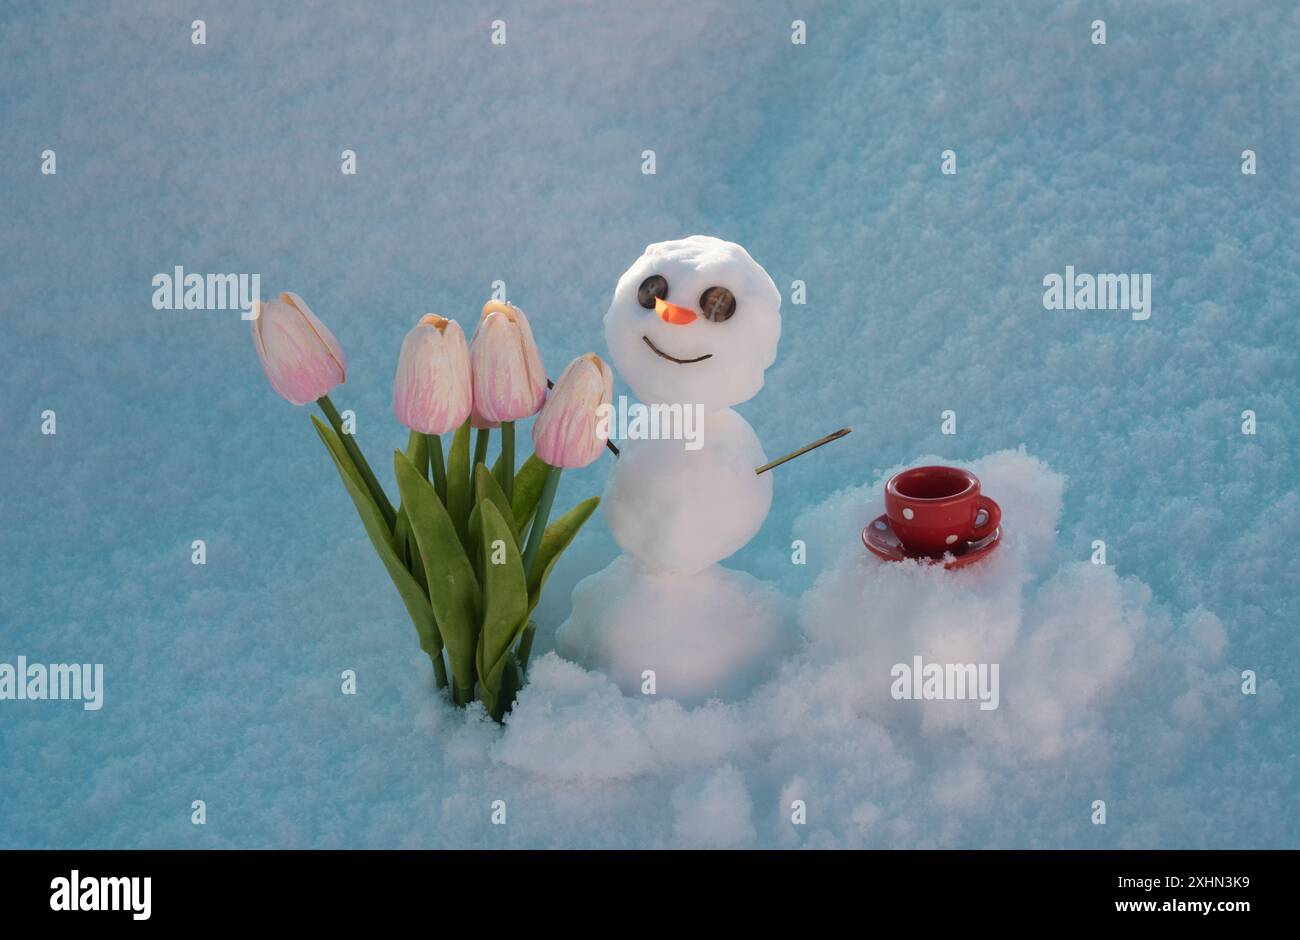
950 539
907 514
880 526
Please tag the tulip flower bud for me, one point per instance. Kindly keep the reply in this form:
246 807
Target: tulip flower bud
569 432
509 379
480 423
301 357
431 393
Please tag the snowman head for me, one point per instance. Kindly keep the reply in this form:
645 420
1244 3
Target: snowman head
694 321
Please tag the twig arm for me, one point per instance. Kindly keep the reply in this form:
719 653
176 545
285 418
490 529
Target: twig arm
833 436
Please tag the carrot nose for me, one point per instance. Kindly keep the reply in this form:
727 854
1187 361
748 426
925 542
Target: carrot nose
671 313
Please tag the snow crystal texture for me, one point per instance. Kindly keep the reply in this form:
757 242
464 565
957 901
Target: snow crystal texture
522 163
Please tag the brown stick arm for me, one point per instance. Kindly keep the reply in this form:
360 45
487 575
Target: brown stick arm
833 436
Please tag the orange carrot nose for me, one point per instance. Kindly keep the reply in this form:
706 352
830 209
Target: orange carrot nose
671 313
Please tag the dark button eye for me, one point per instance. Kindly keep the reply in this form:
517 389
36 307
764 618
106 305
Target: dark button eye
655 286
717 304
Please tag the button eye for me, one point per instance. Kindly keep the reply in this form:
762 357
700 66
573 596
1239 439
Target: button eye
652 288
717 304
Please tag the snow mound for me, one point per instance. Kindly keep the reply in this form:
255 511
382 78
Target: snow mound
1091 673
713 634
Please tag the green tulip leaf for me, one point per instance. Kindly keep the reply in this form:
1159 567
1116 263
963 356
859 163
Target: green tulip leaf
417 605
487 488
402 538
507 688
505 595
475 541
505 601
555 540
415 562
453 589
458 483
528 489
417 448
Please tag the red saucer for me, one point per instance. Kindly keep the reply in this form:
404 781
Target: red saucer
881 541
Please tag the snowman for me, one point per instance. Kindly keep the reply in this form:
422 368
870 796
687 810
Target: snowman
694 323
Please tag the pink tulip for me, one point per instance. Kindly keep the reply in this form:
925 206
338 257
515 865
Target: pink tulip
509 379
569 432
431 393
301 357
480 423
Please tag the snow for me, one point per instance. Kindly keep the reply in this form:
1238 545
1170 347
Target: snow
708 634
681 510
522 163
1094 674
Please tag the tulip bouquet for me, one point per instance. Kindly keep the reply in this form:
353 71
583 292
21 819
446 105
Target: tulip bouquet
468 547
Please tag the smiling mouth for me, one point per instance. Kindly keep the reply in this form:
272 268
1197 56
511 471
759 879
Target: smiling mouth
660 352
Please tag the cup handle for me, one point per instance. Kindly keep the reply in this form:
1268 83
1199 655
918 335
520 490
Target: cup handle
994 516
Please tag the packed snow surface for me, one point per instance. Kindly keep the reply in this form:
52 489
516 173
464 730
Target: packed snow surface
523 164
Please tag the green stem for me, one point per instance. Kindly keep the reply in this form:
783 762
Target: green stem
508 460
480 448
539 521
439 466
439 671
461 696
367 475
525 648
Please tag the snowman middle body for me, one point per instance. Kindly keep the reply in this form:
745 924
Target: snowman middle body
678 510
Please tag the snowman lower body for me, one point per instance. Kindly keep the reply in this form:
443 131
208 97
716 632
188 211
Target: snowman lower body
665 616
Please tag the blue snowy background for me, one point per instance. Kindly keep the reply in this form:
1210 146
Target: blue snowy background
523 163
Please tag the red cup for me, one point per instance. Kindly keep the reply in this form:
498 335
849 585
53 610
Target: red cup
933 510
